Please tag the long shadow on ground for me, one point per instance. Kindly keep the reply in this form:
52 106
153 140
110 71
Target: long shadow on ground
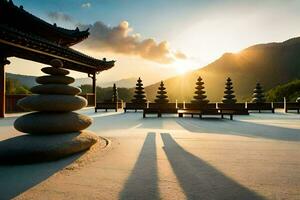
200 180
152 123
240 128
143 181
16 179
113 121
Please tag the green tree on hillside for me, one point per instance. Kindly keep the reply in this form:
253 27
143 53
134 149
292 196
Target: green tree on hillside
105 94
9 86
86 88
290 90
13 86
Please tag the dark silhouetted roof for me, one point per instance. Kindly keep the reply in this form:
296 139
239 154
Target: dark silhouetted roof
26 36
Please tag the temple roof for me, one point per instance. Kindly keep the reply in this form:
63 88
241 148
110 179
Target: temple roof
11 15
25 36
16 43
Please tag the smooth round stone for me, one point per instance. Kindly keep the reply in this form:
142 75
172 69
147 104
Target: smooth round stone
55 89
41 123
55 79
52 103
56 63
55 71
29 148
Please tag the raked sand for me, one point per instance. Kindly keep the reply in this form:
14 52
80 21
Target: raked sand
251 157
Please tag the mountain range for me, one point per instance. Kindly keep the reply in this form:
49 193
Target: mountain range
29 81
270 64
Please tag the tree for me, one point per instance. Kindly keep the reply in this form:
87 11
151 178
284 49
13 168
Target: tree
115 94
10 86
22 90
258 94
161 97
139 97
86 88
290 90
13 86
200 97
229 96
105 94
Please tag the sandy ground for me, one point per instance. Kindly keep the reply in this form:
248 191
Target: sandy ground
252 157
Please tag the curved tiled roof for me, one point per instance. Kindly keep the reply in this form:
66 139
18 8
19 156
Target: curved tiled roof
11 38
19 18
26 36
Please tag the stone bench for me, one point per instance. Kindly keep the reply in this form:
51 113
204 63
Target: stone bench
292 106
158 111
260 107
236 108
108 106
135 107
202 112
193 106
154 108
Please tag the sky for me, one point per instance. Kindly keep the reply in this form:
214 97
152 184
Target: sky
158 39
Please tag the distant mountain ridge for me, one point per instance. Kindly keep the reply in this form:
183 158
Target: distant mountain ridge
29 81
270 64
124 83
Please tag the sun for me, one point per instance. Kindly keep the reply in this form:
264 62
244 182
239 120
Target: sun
181 69
183 66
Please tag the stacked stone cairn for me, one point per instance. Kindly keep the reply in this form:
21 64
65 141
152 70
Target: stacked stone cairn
56 131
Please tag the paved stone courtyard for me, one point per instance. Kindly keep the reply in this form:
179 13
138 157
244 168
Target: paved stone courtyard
251 157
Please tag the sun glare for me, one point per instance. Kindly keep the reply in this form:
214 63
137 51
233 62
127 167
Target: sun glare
184 66
181 70
205 41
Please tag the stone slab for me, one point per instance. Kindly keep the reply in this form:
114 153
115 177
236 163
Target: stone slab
52 103
39 123
55 79
56 63
55 89
29 148
55 71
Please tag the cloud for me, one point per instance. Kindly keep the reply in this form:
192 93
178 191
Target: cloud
121 39
86 5
180 55
59 16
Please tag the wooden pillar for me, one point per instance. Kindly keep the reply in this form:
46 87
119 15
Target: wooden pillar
3 62
94 86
